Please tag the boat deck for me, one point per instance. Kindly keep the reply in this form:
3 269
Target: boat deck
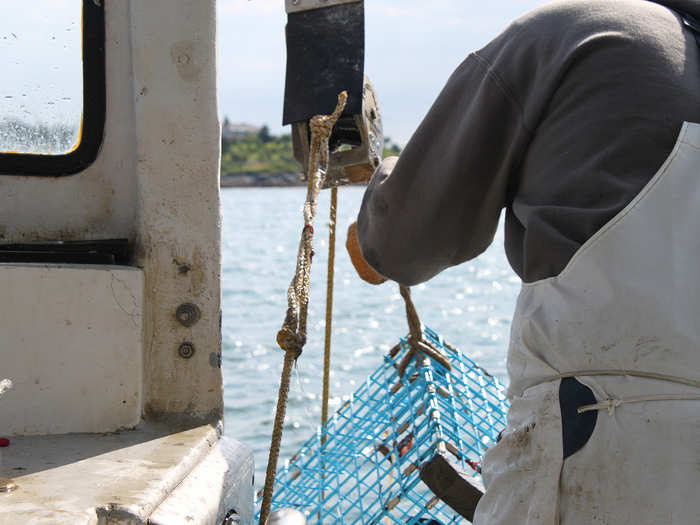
98 478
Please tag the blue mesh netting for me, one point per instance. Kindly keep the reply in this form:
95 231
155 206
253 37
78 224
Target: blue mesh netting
367 471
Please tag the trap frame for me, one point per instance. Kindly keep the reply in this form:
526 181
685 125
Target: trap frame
396 438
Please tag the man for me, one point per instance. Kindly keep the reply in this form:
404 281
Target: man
577 120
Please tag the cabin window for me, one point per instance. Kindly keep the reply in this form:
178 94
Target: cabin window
52 96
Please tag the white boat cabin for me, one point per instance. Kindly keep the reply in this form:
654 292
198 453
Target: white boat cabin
110 265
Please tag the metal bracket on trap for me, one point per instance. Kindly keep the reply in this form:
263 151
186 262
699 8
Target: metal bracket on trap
356 145
452 484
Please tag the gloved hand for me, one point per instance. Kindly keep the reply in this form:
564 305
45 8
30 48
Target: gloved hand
362 267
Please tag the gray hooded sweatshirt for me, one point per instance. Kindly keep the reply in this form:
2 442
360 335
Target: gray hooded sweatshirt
561 120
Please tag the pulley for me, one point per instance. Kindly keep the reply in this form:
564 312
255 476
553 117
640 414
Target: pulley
325 55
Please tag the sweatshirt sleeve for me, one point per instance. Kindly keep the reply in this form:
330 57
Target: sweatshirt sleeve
438 205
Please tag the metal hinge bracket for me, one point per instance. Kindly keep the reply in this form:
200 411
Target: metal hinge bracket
294 6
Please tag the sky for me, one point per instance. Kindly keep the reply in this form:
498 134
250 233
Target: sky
40 53
411 48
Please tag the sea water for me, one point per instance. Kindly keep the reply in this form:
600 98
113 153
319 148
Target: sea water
470 305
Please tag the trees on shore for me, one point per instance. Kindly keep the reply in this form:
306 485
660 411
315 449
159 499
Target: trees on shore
261 152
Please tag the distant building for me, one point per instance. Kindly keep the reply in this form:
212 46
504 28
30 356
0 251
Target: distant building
234 131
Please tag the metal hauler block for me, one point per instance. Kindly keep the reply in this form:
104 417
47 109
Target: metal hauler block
402 449
326 55
295 6
356 145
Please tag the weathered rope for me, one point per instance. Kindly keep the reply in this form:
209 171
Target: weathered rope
329 327
292 335
419 345
329 309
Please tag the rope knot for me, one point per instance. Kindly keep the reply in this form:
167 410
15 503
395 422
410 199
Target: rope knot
612 404
414 339
418 344
290 341
321 126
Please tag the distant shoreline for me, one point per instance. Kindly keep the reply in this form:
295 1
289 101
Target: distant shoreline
268 180
261 180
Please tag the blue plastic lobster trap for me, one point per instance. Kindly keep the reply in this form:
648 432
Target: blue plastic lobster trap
393 436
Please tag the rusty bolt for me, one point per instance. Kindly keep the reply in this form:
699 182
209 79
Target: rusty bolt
7 485
188 314
186 350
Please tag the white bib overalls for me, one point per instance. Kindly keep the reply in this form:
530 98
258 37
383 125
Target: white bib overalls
623 318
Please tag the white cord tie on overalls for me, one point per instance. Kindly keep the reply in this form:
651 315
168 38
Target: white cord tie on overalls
611 404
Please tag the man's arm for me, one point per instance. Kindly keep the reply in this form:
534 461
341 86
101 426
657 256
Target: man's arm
438 205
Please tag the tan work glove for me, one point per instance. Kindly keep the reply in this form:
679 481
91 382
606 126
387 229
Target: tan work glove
362 267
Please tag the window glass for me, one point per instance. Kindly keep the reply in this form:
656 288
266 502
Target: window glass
41 92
